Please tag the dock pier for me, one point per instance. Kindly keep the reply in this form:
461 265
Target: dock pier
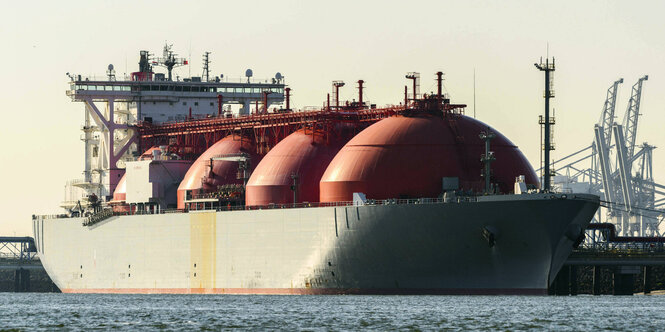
618 268
20 268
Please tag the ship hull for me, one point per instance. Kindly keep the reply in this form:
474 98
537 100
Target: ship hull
512 244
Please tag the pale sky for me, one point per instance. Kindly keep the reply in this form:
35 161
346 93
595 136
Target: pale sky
313 43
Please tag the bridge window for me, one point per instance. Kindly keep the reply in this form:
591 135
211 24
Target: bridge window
178 88
196 103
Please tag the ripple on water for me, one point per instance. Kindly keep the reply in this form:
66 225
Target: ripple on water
47 312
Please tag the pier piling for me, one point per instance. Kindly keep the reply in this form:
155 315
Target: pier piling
596 280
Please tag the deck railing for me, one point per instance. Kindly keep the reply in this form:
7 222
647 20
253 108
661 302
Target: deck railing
107 213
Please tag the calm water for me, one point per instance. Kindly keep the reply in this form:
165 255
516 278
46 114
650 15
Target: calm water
50 312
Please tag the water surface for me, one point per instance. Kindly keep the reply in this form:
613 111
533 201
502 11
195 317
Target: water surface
48 312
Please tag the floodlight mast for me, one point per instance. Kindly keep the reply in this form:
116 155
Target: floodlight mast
547 67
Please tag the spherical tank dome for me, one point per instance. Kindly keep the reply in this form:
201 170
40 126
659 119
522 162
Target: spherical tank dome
199 178
303 153
407 157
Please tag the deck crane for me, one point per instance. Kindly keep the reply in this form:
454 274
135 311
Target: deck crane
169 60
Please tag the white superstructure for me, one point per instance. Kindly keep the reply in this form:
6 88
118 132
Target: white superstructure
113 107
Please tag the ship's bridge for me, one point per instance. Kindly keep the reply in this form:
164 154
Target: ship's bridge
114 106
160 100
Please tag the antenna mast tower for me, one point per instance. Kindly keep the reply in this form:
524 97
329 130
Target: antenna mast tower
169 60
547 121
206 66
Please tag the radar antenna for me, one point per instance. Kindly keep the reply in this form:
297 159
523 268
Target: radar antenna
169 60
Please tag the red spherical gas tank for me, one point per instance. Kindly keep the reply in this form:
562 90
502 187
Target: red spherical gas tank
200 178
407 157
305 154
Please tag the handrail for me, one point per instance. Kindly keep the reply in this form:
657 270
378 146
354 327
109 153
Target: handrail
97 217
125 78
107 213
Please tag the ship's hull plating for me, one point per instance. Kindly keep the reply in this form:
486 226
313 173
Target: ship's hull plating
442 248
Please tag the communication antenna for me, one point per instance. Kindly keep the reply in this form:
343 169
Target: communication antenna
169 60
190 56
248 74
206 67
111 72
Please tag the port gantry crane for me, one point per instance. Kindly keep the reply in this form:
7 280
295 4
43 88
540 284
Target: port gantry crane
620 171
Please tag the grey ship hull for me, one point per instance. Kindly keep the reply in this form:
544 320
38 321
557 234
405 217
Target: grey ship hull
440 248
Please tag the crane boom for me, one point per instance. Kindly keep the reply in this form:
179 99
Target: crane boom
607 116
603 156
631 117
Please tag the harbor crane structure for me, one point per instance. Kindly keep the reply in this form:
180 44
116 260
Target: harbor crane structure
618 169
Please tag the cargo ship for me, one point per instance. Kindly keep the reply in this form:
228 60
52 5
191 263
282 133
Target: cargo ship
213 185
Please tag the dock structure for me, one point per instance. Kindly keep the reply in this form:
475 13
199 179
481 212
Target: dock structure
19 254
625 265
